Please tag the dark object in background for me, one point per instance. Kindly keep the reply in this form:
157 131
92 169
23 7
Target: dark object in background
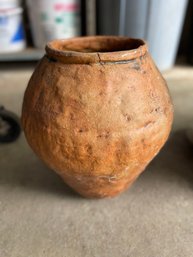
88 17
190 42
186 43
27 27
107 17
9 126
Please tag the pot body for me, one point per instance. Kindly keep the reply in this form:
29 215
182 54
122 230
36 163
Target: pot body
97 124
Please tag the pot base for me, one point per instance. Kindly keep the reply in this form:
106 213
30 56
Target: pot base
99 187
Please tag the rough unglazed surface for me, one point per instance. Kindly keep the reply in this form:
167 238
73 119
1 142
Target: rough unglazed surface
97 125
41 217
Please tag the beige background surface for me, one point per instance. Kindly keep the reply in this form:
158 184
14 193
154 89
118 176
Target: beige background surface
41 217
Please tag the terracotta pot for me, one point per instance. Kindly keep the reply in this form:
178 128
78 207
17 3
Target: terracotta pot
97 111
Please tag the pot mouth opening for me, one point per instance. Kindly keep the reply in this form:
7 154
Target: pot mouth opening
96 49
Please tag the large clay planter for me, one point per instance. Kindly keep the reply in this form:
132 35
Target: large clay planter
97 111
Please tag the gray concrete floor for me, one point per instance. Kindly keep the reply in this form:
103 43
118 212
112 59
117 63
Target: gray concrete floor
41 217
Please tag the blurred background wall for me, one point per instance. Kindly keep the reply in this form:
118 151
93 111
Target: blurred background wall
26 26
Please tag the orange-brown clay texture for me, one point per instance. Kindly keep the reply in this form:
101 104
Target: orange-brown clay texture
97 111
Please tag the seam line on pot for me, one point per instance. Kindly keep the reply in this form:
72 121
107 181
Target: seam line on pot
51 59
116 62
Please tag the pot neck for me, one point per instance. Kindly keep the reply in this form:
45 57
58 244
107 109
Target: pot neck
96 49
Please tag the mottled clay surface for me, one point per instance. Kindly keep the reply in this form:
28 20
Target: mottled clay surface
97 119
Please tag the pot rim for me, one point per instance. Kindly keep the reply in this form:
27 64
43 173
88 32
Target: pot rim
74 50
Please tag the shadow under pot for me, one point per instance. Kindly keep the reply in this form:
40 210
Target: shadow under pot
97 111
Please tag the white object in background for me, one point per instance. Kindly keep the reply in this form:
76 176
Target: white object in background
5 4
160 23
54 19
11 30
164 30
